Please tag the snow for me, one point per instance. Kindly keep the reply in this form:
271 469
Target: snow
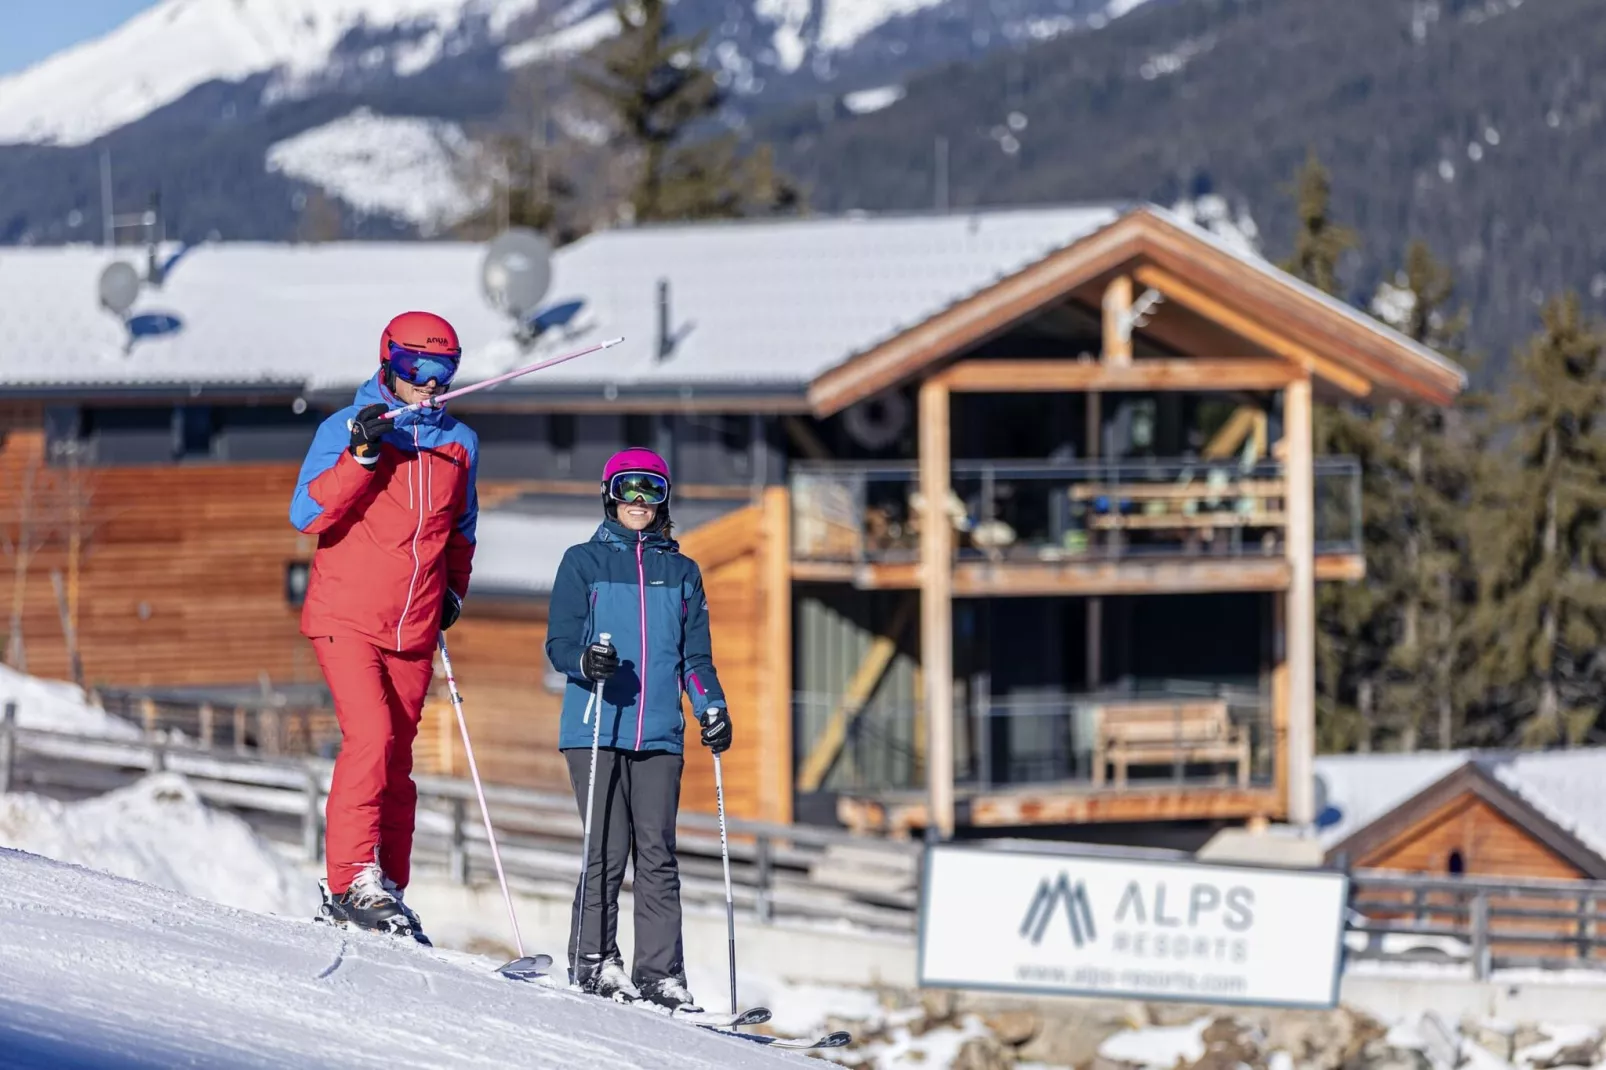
410 168
572 40
53 706
1163 64
98 971
866 101
1158 1046
1236 229
790 17
159 831
1117 8
161 54
846 21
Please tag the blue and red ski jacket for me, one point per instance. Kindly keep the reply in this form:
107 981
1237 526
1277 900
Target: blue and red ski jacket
639 588
393 537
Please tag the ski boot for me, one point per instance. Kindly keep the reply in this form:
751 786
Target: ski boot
366 905
608 980
671 993
412 916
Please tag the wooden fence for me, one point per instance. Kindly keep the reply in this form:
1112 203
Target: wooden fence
794 871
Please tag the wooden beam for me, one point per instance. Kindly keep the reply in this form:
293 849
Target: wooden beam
804 438
1340 568
866 678
776 791
1182 293
1076 376
1301 549
936 603
1118 321
1239 426
1066 805
1078 577
1279 699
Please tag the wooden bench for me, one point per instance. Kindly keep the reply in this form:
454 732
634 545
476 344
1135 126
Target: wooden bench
1165 733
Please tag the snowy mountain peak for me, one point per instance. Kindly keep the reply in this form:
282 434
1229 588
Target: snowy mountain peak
164 52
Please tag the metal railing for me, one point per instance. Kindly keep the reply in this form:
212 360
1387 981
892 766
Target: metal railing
1042 511
1179 733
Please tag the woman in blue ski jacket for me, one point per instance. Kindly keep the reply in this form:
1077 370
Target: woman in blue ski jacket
632 583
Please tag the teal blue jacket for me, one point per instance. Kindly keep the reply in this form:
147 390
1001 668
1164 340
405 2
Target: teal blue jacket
640 589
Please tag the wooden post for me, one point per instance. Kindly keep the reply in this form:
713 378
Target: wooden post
8 746
776 790
936 605
147 714
1095 605
207 729
1279 699
1118 321
1301 623
458 859
1480 936
239 730
312 821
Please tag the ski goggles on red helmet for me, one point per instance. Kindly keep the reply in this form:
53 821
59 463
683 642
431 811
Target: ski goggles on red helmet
417 368
647 488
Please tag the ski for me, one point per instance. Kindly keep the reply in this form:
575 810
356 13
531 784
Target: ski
528 968
839 1039
707 1019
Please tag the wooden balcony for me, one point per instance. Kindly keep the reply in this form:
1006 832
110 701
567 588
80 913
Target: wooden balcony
1169 751
1082 529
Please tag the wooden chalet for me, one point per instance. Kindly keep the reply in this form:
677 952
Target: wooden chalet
1008 518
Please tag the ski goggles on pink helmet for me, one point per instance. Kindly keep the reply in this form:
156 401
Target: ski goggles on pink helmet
647 488
412 366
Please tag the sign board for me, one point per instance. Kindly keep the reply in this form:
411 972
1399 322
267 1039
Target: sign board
1081 925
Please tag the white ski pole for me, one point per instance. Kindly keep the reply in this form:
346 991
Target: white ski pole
725 856
595 698
520 965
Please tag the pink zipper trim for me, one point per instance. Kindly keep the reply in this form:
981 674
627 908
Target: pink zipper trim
641 589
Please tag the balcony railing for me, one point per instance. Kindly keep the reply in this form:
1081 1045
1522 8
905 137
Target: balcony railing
1037 511
1170 733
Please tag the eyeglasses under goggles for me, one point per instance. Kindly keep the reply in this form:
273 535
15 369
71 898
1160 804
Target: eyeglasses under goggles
417 368
648 488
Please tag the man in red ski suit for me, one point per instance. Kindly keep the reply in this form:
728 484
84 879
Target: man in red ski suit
394 507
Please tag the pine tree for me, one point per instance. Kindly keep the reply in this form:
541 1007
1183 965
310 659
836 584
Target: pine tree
1319 242
1426 472
661 98
1538 538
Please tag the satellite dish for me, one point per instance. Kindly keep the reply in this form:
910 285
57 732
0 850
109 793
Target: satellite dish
558 315
517 272
119 287
154 325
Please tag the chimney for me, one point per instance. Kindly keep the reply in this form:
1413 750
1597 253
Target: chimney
664 344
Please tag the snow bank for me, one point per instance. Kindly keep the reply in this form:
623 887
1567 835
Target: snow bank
99 971
158 831
1158 1046
54 706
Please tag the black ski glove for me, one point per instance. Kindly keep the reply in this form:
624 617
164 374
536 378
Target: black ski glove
451 609
716 724
367 429
599 662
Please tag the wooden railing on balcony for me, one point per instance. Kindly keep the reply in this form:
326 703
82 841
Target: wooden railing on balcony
1037 511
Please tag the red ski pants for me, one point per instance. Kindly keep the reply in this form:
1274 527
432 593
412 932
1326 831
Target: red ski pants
379 697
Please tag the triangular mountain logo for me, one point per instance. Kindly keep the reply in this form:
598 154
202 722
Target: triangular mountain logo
1050 894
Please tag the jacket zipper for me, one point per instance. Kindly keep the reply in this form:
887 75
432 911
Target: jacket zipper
423 459
641 590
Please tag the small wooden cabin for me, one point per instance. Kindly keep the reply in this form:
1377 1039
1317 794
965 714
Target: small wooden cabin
1008 518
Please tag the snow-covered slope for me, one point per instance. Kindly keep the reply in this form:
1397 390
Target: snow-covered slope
159 831
162 53
420 170
56 706
98 971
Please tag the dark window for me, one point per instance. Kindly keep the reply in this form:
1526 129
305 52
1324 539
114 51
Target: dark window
130 436
272 431
192 431
641 429
1457 865
563 433
296 574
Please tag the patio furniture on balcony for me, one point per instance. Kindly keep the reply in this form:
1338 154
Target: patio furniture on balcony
1166 733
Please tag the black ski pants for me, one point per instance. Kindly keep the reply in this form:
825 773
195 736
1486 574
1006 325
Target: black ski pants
638 795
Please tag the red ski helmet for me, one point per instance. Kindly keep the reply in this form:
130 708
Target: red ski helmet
420 346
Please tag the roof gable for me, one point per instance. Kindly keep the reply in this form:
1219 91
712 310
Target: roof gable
1311 326
1471 778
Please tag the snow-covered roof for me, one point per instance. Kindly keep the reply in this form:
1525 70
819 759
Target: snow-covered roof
1567 786
518 554
768 304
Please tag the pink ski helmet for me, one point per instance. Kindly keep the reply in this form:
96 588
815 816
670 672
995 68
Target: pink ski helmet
635 459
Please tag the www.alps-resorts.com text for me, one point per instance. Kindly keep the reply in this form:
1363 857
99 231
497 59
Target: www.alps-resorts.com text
1132 979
